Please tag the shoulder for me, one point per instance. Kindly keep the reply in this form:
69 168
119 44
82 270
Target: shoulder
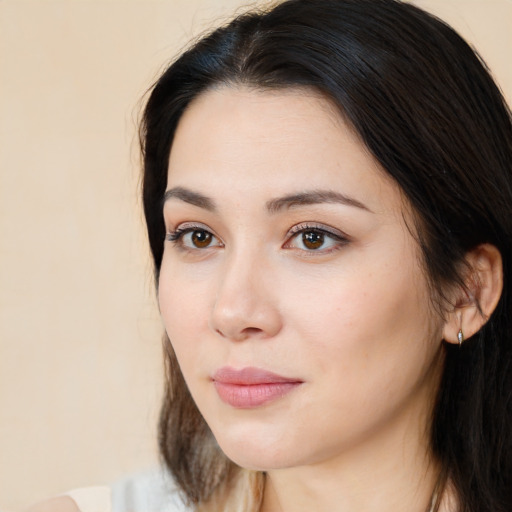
60 504
92 499
148 491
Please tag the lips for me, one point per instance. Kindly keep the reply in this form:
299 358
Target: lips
251 387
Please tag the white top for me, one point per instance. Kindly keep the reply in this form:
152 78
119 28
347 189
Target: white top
151 491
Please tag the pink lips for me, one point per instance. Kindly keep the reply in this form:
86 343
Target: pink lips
251 387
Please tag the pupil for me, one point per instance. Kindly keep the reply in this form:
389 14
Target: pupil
201 238
313 240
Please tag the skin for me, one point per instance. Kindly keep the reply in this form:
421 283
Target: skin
60 504
351 319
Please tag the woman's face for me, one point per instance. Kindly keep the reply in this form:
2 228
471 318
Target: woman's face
291 287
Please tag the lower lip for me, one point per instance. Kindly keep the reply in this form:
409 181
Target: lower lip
247 396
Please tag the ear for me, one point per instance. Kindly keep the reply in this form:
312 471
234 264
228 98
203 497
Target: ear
473 305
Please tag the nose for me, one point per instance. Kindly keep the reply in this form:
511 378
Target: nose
246 303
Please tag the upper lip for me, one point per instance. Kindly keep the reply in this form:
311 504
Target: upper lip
249 376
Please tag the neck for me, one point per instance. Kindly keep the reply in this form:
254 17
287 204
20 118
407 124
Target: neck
391 472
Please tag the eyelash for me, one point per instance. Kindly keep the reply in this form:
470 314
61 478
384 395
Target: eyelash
176 236
340 239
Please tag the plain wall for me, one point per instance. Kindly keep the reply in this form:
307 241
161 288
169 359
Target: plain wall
80 357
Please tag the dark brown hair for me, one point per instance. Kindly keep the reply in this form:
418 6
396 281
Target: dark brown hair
427 108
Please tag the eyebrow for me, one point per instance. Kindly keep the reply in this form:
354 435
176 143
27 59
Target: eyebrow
313 197
273 205
191 197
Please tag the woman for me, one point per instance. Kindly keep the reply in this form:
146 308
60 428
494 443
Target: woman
327 189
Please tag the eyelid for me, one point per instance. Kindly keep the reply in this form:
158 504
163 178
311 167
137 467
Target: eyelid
338 239
176 235
184 226
314 226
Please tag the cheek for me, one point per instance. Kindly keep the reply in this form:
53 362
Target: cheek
367 347
369 324
374 303
179 306
184 297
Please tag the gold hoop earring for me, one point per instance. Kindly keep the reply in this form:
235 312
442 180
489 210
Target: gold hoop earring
460 337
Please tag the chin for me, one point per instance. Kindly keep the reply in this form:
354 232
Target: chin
257 452
261 460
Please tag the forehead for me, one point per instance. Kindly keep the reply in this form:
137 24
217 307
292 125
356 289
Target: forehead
266 143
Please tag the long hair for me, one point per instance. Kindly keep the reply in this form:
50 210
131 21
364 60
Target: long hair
426 107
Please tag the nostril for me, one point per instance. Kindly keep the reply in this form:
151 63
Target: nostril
244 334
249 331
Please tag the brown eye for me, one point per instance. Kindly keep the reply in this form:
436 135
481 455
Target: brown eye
313 239
193 238
201 238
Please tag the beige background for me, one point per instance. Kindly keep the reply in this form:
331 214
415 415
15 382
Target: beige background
80 371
